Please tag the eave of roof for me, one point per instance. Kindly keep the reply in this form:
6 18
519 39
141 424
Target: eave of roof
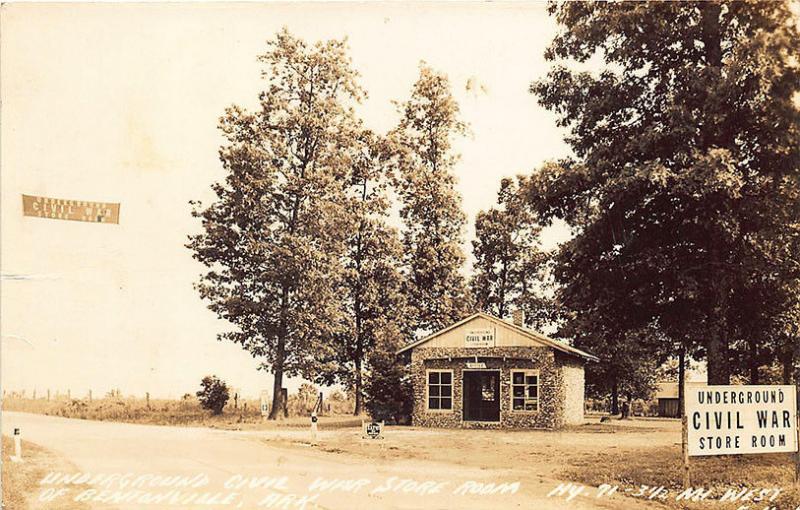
533 335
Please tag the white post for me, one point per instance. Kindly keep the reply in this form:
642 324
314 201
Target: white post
17 446
314 432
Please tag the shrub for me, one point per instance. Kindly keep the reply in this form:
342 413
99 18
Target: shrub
214 393
388 385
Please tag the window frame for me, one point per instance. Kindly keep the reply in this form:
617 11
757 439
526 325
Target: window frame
527 372
428 387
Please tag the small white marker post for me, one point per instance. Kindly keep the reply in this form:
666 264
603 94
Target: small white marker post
314 433
17 457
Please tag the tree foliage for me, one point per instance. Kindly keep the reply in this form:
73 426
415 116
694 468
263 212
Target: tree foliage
510 267
683 188
388 383
370 282
274 237
213 394
430 205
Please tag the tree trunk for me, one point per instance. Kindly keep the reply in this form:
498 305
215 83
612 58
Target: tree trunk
787 364
682 381
717 346
614 399
277 386
753 361
359 383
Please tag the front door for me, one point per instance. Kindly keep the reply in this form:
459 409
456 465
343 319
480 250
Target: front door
482 396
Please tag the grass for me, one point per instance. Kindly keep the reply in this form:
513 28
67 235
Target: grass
663 467
21 479
185 412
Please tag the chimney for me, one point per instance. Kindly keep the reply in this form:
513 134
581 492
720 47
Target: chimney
518 317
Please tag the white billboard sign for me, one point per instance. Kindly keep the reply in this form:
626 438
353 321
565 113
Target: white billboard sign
729 420
479 338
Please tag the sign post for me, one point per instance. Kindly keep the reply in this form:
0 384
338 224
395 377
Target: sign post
314 429
797 457
685 452
17 457
264 404
372 430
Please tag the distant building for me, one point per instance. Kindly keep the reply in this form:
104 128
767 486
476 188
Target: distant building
667 397
484 372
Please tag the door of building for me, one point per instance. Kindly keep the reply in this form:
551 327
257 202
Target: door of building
481 395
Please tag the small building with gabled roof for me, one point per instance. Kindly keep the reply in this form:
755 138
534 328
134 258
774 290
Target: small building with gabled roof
485 372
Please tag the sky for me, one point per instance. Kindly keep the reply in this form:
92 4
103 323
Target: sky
120 103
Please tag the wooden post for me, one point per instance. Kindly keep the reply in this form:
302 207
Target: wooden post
48 394
90 395
147 395
797 456
685 451
34 394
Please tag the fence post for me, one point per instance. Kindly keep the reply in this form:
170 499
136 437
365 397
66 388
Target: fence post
148 399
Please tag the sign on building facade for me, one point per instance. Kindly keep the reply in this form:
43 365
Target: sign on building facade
729 420
479 338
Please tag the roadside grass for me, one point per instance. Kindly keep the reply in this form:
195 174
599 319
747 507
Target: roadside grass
663 466
21 479
185 412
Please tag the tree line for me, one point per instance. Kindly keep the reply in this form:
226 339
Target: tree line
681 195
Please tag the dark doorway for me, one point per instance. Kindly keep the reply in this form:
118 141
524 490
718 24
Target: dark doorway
481 396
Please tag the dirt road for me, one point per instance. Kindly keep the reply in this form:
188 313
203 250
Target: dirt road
126 461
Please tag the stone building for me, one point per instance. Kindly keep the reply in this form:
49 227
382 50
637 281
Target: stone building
484 372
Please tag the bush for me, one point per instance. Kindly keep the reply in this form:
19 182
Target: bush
214 394
388 386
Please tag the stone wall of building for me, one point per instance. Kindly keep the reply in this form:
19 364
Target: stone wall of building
551 385
574 389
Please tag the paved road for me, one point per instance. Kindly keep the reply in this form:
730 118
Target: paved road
218 457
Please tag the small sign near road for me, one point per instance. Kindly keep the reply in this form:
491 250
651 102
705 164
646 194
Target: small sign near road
372 429
264 403
737 419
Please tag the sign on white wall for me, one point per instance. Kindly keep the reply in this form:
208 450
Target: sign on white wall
479 338
728 420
